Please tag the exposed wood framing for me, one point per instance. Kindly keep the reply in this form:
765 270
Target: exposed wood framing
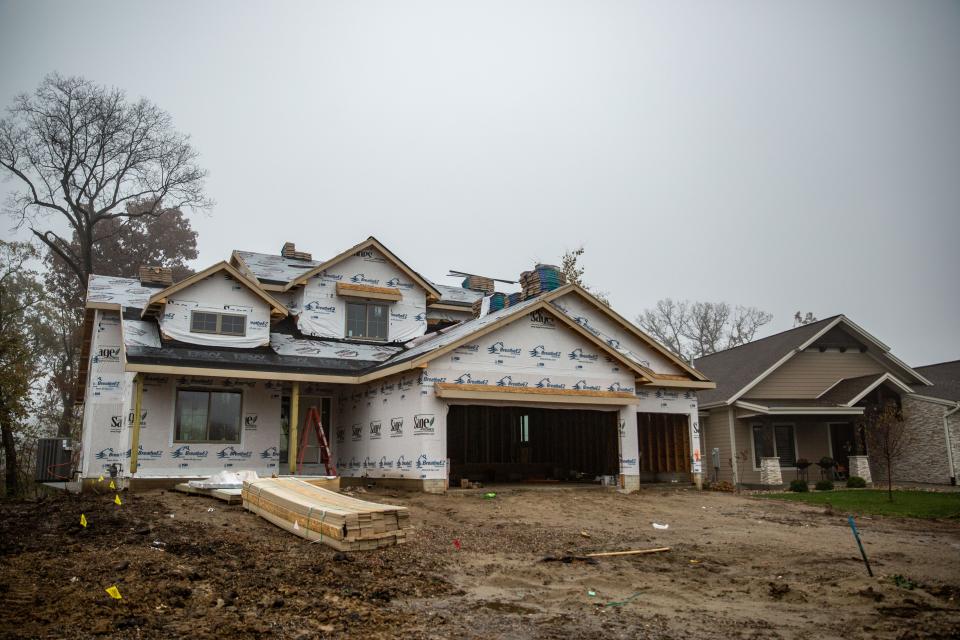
368 291
532 394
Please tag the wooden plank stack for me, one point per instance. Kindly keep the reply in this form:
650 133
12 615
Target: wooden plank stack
479 283
314 513
543 277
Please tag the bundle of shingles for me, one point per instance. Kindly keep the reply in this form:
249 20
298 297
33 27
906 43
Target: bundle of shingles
479 283
314 513
543 277
496 301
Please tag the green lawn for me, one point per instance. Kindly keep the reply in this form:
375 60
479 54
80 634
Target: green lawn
907 504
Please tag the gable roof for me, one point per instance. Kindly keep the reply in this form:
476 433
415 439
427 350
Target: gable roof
370 242
160 297
945 377
738 369
436 344
734 368
849 391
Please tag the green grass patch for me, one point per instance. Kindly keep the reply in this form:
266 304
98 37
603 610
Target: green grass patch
906 504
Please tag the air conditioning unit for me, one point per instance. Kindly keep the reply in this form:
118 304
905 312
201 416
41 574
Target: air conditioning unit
53 460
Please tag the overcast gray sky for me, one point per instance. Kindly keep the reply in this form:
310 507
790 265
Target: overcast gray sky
789 155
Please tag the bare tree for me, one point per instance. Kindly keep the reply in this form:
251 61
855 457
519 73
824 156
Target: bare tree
887 436
81 152
696 329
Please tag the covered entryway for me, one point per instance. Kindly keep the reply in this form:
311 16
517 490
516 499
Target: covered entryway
664 443
527 444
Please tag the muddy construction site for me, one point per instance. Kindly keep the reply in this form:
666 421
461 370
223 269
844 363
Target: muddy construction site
191 566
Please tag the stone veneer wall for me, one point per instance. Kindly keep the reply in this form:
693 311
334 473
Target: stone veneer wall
925 459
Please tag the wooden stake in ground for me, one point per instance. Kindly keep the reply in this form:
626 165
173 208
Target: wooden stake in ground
634 552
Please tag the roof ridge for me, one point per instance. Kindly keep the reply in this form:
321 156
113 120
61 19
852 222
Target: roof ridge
772 335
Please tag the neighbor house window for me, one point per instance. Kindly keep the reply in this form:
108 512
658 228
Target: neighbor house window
208 416
367 320
227 324
783 445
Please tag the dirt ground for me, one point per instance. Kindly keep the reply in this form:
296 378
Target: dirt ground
738 567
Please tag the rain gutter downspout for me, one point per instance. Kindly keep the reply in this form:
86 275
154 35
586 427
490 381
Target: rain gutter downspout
946 433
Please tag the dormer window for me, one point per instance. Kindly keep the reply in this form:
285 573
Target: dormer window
225 324
367 320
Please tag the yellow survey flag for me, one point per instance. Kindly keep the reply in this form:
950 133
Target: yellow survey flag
100 479
114 592
112 486
83 520
116 499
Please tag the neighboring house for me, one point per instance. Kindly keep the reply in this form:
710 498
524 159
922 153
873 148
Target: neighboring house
218 372
935 415
799 394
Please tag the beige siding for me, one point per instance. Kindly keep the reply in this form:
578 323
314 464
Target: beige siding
717 434
748 473
810 373
813 443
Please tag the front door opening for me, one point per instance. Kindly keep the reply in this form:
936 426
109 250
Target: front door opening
520 444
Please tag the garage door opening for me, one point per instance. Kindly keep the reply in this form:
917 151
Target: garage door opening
664 443
519 444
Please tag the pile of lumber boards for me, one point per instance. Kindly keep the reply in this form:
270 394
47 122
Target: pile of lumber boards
314 513
544 277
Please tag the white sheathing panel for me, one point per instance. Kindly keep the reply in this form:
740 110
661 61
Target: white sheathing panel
140 333
629 455
615 335
221 293
161 456
126 292
274 267
671 400
324 313
394 428
536 350
287 345
105 437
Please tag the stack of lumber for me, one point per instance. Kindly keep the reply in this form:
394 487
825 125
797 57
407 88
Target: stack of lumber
478 283
314 513
514 298
543 277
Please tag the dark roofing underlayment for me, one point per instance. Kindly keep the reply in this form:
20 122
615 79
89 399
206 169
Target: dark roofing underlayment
849 388
259 359
945 378
735 368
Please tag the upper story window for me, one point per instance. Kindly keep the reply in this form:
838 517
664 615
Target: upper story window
367 320
227 324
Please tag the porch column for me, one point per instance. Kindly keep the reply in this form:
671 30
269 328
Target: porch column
135 432
294 422
769 462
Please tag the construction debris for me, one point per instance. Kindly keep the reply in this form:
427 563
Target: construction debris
319 515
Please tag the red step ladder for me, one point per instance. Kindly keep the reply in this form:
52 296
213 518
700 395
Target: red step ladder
312 419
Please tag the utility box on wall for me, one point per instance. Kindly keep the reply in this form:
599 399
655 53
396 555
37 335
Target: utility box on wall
53 460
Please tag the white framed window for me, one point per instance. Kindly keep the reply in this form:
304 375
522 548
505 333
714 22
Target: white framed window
784 444
226 324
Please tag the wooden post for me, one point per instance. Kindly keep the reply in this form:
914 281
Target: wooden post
135 435
294 423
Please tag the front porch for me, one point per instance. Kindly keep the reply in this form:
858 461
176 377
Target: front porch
773 449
